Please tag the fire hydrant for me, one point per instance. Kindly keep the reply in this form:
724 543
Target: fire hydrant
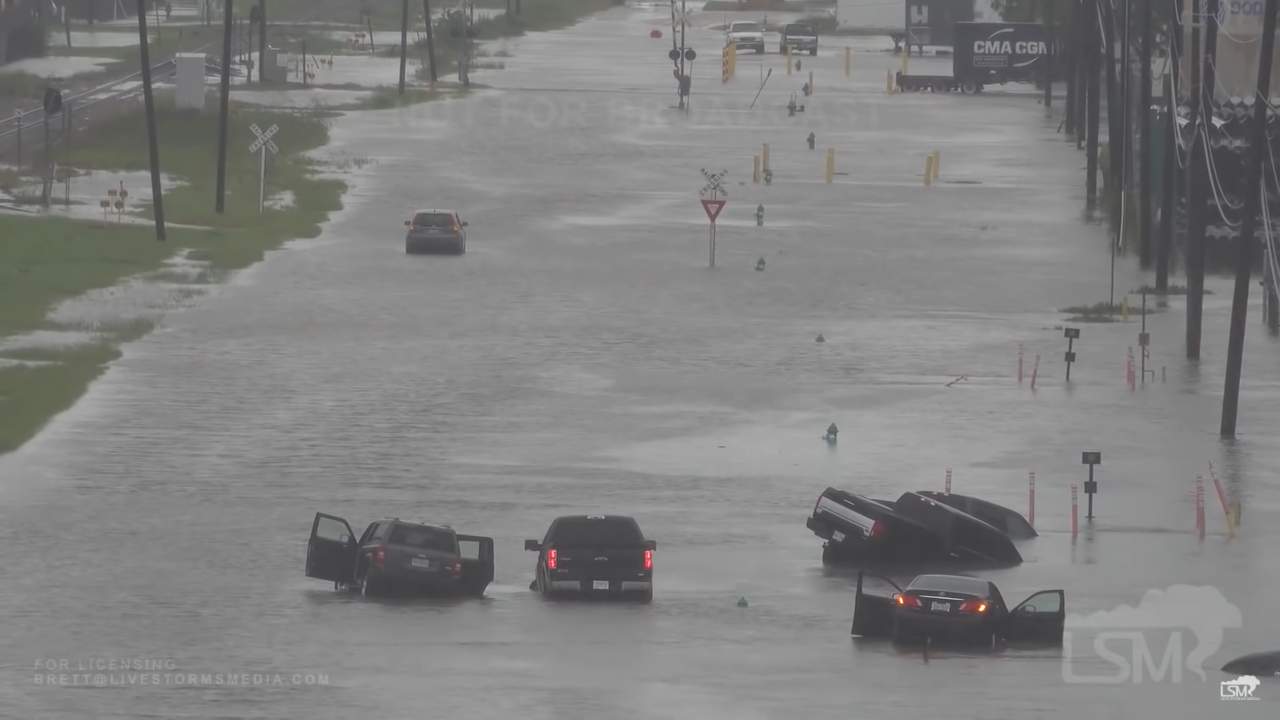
811 139
760 215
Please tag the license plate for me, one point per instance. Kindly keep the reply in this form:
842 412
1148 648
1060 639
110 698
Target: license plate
420 562
936 606
837 536
599 584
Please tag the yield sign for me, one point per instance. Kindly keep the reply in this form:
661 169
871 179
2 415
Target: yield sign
713 208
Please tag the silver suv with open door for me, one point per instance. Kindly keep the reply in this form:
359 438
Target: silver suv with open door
395 555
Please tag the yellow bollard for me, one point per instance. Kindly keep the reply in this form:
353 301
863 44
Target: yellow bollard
937 163
764 158
928 170
1124 308
905 57
755 169
786 54
811 88
848 61
831 164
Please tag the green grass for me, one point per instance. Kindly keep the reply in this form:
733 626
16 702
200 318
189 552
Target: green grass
22 85
46 260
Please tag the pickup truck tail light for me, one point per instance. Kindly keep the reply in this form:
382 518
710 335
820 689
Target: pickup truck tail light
379 557
455 569
648 559
877 530
553 559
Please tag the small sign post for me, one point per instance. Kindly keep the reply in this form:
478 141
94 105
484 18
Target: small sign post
1071 334
713 205
262 144
1091 458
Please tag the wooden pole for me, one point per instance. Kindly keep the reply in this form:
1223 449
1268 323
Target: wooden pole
431 45
262 41
1144 138
224 102
1165 240
1093 114
404 39
1200 183
1246 242
149 104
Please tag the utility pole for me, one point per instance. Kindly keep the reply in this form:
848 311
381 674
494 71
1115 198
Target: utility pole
1047 11
1245 243
404 39
1093 96
157 202
431 45
1144 139
1200 181
262 41
1115 129
683 21
224 102
1069 57
1165 241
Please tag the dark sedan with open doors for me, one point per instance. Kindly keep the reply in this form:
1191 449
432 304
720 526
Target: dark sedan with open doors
958 608
435 231
594 555
398 556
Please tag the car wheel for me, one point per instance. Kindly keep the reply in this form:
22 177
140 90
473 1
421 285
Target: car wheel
760 50
646 597
969 87
541 582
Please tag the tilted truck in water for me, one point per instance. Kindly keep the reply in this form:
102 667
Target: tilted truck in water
988 54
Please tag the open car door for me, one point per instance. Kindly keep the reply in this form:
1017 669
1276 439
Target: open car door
1038 619
331 552
872 614
477 563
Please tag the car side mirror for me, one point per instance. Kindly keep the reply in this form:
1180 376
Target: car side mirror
650 545
1027 610
533 545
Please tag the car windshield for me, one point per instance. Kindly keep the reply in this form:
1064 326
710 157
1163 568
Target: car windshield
423 538
799 30
744 27
950 583
596 531
433 219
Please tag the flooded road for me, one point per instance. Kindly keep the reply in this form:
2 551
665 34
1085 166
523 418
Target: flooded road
582 357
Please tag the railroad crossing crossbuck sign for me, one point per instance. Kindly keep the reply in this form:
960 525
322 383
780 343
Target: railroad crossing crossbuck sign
264 139
262 144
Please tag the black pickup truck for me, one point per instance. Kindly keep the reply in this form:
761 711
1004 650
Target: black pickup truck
798 37
395 555
594 554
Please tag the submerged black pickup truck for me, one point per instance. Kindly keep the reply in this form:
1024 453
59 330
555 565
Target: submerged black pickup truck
395 555
798 37
594 554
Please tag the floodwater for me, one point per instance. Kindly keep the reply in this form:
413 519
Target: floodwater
583 357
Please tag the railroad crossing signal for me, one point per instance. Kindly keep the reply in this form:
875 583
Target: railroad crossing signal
261 144
715 183
264 139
